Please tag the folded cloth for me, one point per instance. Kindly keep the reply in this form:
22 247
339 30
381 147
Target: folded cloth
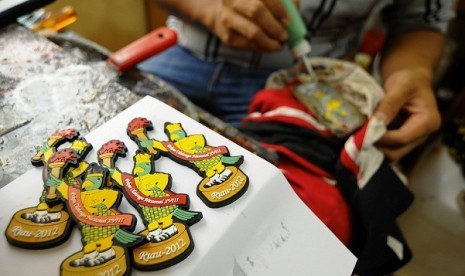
346 182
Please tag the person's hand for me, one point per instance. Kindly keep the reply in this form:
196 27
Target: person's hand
251 24
410 111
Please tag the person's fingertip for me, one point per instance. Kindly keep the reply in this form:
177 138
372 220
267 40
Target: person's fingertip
271 47
283 37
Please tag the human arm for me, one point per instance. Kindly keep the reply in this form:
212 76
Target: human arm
407 70
244 24
414 46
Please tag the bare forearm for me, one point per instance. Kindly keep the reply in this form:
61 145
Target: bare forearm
420 50
407 70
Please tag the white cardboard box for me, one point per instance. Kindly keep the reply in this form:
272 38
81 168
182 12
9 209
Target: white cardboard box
268 231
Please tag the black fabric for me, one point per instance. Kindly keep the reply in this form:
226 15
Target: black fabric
318 149
375 208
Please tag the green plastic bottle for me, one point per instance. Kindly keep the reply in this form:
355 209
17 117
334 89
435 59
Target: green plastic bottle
296 31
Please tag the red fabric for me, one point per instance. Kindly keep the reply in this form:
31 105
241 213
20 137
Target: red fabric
268 100
358 140
359 136
307 179
349 163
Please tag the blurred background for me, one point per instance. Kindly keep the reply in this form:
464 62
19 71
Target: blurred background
113 23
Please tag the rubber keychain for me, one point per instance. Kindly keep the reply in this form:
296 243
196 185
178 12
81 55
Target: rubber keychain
223 182
106 232
167 239
48 224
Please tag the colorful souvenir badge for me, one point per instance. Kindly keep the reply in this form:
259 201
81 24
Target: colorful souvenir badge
48 224
223 182
165 214
103 228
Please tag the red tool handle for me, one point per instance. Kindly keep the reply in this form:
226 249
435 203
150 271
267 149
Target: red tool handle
152 43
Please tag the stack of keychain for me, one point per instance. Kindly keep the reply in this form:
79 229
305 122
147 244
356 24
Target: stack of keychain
88 195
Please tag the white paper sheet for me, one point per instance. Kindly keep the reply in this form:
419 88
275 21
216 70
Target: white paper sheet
268 231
